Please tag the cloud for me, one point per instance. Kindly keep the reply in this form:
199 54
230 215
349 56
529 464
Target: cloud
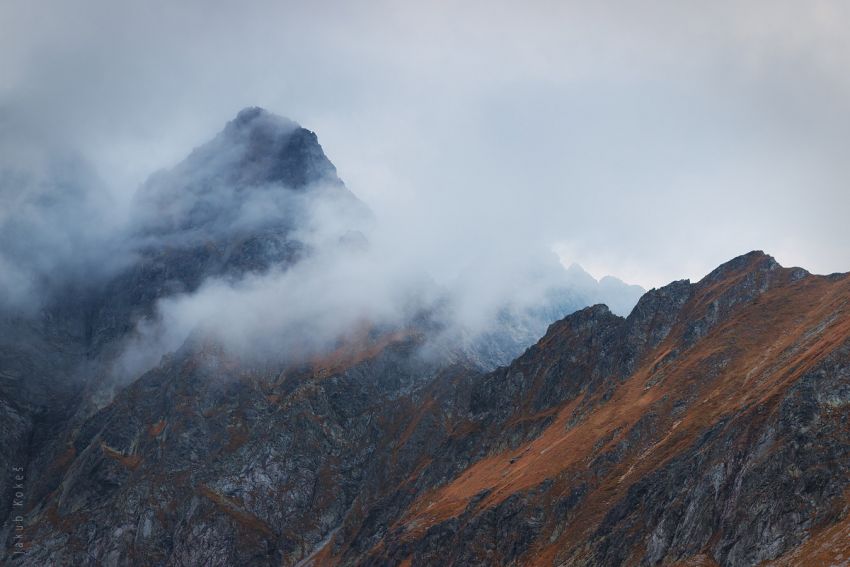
291 310
56 223
652 142
252 241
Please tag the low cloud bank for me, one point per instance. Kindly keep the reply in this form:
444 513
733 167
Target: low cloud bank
254 242
361 274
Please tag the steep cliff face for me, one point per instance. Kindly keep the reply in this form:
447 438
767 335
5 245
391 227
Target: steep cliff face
710 426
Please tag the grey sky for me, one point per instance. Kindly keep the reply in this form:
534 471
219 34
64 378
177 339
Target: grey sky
648 140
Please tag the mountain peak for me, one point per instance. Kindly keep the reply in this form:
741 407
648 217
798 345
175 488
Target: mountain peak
254 120
272 149
754 261
249 113
255 150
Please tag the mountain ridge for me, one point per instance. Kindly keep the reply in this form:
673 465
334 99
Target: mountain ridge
662 436
512 439
741 273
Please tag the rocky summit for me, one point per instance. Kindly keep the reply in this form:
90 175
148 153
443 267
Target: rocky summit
709 426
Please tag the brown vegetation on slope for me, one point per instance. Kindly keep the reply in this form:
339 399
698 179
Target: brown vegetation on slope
739 371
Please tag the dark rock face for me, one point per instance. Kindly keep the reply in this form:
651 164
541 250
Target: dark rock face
707 427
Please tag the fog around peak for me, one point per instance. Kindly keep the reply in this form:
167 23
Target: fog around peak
352 268
254 242
649 142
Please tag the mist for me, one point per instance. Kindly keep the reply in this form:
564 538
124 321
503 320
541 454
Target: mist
490 146
58 222
349 271
649 142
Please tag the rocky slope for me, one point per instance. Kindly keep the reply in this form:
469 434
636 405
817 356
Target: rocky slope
708 427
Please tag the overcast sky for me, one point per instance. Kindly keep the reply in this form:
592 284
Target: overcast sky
649 140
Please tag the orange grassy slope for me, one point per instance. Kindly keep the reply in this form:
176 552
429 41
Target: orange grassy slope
744 338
